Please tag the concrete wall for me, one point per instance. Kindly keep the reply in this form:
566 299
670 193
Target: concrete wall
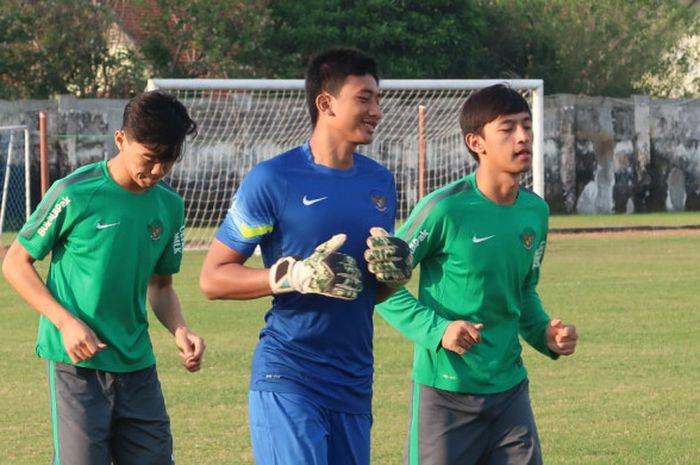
607 155
602 155
79 131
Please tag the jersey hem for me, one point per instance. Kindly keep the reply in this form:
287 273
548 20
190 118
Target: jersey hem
327 405
111 368
463 387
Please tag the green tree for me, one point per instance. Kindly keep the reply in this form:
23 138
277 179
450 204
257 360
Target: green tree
16 52
200 38
60 47
679 73
593 47
427 39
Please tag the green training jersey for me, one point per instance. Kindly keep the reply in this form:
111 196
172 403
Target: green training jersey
479 262
105 244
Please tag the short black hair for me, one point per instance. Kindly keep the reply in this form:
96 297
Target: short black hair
328 70
487 104
160 122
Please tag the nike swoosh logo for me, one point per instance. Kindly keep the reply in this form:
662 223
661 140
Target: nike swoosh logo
308 202
476 240
105 226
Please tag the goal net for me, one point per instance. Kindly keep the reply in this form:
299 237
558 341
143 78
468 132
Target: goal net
15 203
242 122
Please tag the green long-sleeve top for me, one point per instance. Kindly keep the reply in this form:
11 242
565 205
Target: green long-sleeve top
479 262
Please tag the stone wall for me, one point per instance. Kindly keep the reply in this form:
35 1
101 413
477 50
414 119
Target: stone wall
607 155
602 155
79 131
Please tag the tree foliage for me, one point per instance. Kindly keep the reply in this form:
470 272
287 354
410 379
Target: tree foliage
679 72
595 47
15 53
591 47
431 38
56 47
201 38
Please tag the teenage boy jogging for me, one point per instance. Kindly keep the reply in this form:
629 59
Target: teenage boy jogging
311 381
115 235
479 242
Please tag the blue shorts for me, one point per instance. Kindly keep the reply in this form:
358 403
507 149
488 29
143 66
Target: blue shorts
291 429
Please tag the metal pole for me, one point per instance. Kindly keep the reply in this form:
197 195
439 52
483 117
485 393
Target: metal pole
43 159
27 193
537 148
421 152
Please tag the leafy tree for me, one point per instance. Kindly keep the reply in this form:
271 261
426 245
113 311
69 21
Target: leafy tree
60 47
200 38
16 52
123 74
594 47
679 73
431 38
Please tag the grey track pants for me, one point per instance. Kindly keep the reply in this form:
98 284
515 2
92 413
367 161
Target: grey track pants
450 428
101 417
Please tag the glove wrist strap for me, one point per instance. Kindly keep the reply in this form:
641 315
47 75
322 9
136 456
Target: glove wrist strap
280 276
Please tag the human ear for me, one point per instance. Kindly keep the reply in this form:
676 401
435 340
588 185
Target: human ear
475 143
119 138
323 103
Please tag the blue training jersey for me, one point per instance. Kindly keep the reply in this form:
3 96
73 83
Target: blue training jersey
313 345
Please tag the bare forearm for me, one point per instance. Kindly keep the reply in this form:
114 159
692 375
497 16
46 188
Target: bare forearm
234 281
166 306
19 271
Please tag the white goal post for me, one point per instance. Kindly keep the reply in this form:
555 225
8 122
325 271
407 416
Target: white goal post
244 121
15 205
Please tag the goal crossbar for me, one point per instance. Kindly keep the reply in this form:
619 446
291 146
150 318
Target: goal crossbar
262 84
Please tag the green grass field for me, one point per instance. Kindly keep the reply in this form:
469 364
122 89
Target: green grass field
637 219
628 396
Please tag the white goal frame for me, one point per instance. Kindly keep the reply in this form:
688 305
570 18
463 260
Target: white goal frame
200 97
10 164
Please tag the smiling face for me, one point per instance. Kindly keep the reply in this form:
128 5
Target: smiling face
505 144
142 169
352 114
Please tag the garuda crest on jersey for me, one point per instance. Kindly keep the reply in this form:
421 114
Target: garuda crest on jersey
379 201
155 229
528 238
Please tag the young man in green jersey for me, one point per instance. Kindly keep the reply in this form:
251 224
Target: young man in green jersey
115 235
479 242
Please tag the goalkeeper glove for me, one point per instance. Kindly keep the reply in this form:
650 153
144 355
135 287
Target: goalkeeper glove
389 258
324 272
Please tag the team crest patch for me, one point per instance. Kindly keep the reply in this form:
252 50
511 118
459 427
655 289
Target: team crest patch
379 201
155 229
528 238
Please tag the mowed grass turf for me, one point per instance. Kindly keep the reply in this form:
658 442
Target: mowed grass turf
628 396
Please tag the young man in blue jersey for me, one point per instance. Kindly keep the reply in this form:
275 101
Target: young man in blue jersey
311 382
480 243
115 235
